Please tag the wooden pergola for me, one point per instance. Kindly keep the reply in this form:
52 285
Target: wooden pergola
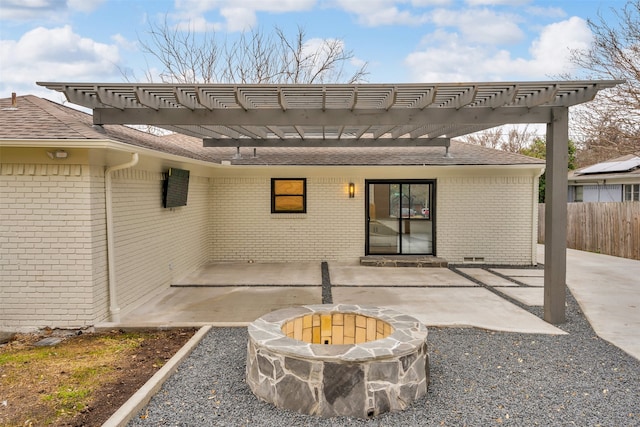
361 115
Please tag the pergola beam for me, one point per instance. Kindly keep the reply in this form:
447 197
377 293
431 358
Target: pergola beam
318 142
313 117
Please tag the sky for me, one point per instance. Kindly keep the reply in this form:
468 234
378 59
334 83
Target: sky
401 41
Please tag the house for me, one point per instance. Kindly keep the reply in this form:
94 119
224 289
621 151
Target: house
616 180
88 230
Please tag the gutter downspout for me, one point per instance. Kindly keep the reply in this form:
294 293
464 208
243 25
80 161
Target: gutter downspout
534 230
114 310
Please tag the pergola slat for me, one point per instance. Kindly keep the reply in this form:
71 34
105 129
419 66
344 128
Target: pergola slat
542 96
186 98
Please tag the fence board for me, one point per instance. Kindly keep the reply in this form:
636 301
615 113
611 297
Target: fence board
605 228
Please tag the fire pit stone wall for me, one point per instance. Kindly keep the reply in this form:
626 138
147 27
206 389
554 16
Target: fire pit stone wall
362 379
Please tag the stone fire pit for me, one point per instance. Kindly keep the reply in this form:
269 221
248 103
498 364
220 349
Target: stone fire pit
333 360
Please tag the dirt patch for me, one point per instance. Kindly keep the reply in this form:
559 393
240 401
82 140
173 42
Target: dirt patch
82 380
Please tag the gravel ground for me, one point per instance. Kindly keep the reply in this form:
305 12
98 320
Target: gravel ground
478 378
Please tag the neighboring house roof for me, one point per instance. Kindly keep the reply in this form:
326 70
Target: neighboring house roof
39 119
620 168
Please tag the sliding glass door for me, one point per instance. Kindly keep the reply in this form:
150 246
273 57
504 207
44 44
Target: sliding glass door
400 217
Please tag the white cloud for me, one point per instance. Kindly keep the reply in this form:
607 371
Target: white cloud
390 16
448 58
553 48
546 12
197 24
26 10
239 19
497 2
431 3
238 15
375 13
56 54
84 5
124 43
481 25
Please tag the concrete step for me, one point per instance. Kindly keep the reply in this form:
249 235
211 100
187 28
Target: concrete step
403 261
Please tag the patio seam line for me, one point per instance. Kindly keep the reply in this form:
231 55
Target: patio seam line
246 285
409 286
494 291
327 296
491 269
511 279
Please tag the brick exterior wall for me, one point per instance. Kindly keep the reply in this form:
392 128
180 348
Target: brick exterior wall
154 245
53 230
53 250
473 226
244 228
47 247
99 245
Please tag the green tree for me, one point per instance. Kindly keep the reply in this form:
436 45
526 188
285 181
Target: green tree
538 149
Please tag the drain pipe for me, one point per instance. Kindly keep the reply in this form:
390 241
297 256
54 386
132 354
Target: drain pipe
534 204
114 310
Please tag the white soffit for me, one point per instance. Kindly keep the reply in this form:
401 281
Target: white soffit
327 115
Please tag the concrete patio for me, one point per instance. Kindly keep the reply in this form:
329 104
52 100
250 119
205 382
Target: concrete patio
227 294
236 294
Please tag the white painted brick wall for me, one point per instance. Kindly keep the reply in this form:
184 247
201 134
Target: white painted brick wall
53 238
53 265
46 252
155 245
98 233
472 222
243 227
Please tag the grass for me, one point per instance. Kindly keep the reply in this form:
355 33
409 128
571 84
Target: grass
68 401
44 384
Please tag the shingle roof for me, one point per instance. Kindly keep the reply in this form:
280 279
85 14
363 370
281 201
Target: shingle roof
37 118
462 154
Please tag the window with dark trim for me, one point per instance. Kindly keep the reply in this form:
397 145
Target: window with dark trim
579 193
288 195
631 192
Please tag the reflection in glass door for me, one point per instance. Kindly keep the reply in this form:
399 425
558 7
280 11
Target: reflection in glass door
400 217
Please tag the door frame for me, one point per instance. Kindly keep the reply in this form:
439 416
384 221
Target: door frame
433 211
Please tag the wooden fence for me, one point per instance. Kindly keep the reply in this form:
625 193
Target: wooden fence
605 228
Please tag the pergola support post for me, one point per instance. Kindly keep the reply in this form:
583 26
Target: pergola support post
555 236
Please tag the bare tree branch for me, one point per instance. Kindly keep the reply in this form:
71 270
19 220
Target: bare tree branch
610 126
513 140
256 57
184 56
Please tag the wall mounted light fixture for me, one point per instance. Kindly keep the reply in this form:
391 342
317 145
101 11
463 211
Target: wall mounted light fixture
57 155
352 190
